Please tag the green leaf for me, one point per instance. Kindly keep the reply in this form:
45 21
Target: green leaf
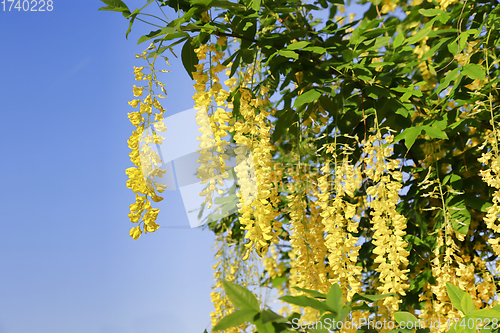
132 19
455 294
227 5
287 123
438 46
474 71
419 36
462 40
307 97
328 320
434 132
269 315
409 135
298 45
189 58
476 203
201 3
278 281
264 327
305 301
456 182
464 325
315 49
485 313
399 39
452 178
288 54
460 216
430 12
379 42
256 5
381 64
116 6
230 59
236 318
418 282
445 82
241 297
403 318
452 328
334 298
115 3
443 17
370 298
313 293
248 25
467 304
236 64
293 316
453 47
344 313
156 33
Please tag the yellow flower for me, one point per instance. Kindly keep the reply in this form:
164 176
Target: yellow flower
135 232
222 41
134 103
205 17
137 91
230 82
135 118
160 126
146 108
138 73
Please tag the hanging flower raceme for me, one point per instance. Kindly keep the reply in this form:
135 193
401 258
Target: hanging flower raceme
491 176
146 161
258 203
444 271
212 117
339 223
228 267
388 225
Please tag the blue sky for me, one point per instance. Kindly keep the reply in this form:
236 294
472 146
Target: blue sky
68 263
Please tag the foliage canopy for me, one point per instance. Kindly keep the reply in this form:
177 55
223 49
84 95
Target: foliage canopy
375 144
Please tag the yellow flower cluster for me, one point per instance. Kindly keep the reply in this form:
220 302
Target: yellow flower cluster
388 6
212 117
445 3
306 239
272 265
145 160
245 171
308 268
443 271
254 131
212 165
437 303
429 78
339 223
227 268
491 176
388 225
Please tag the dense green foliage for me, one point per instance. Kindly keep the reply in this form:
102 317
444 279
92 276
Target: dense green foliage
424 71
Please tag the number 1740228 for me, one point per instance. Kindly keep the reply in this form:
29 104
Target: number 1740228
27 5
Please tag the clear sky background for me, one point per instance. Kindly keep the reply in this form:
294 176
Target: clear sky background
67 263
